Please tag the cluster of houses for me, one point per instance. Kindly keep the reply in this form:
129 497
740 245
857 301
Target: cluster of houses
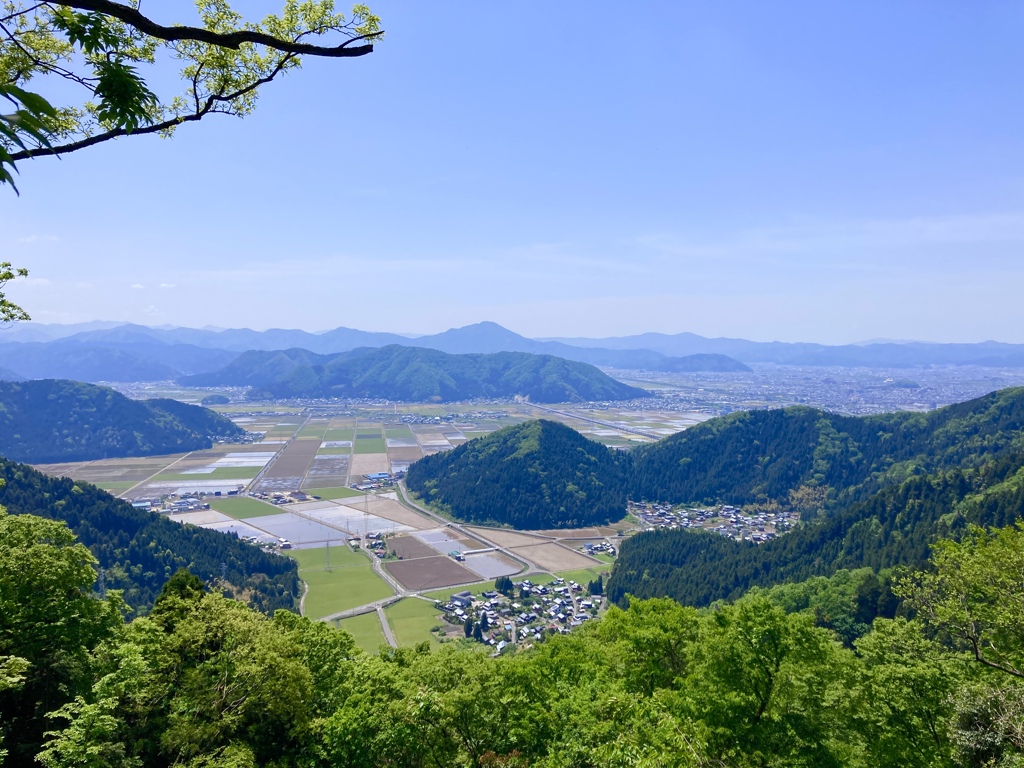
377 480
759 527
172 503
594 548
284 497
534 612
375 543
417 418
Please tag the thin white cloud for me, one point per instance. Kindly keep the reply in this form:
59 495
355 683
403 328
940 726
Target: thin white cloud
168 285
138 286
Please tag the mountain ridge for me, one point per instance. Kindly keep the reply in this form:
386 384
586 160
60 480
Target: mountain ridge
53 420
414 374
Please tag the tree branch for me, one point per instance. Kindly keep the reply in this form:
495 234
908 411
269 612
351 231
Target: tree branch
233 40
206 109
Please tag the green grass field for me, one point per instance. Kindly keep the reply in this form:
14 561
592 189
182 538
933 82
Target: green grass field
411 620
240 507
334 493
220 473
334 452
605 557
365 630
351 582
371 445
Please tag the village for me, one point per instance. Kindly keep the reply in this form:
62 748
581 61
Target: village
525 613
758 527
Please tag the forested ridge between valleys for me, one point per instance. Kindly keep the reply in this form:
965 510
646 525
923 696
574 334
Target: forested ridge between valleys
55 420
872 491
412 374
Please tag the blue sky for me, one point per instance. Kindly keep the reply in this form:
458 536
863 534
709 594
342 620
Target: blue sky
811 171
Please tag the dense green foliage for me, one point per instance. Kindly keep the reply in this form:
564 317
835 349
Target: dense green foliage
139 550
53 420
763 681
419 375
540 474
757 456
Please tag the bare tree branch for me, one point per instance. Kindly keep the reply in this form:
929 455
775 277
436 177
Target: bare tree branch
233 40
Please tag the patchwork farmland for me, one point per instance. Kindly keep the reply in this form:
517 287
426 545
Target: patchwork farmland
358 552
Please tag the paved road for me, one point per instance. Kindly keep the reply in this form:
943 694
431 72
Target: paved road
386 627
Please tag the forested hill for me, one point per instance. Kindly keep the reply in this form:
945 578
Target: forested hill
139 550
54 420
759 456
6 374
414 374
875 491
540 474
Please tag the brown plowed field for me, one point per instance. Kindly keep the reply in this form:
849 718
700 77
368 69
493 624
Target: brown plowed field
405 454
507 538
368 463
294 460
407 548
430 572
554 558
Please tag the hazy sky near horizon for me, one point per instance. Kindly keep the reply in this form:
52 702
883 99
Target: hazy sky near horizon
799 171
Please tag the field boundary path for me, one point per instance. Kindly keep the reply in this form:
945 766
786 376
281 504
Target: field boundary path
124 494
386 627
528 567
359 610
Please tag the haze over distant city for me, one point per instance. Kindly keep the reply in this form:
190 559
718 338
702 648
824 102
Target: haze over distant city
803 172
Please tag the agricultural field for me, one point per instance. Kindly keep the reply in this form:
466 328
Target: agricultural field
324 454
243 507
338 579
411 621
365 630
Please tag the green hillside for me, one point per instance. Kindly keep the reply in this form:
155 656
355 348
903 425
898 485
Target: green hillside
884 488
54 420
417 375
139 550
758 456
540 474
872 491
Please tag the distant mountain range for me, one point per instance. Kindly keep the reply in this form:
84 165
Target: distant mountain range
6 374
418 375
126 352
50 420
871 355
